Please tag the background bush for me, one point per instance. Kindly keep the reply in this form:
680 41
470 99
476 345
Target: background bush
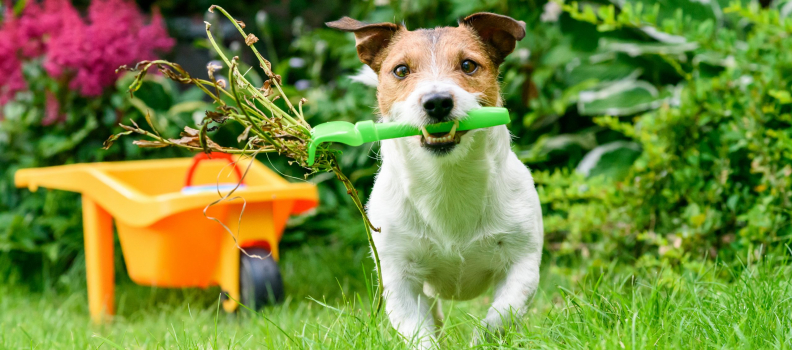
654 130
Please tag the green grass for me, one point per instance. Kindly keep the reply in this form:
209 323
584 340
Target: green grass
696 305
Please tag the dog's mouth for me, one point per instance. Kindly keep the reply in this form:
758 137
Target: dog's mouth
439 142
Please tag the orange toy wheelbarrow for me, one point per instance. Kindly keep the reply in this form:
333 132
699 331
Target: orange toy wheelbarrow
165 237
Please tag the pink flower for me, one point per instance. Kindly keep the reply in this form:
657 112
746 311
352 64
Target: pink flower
37 22
85 52
11 79
116 35
65 43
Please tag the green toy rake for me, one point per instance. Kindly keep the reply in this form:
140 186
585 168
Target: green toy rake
369 131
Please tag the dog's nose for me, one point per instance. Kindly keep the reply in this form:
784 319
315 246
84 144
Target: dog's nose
438 105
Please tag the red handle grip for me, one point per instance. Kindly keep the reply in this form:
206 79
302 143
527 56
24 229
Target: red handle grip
204 156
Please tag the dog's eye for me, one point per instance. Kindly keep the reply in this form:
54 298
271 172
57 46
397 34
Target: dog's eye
401 71
469 66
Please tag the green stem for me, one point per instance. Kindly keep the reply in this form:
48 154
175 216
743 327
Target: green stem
194 148
263 63
232 71
263 99
367 223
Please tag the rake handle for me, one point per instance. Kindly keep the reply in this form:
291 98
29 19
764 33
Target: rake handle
369 131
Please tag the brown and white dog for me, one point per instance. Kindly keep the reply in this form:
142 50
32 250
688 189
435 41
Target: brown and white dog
459 212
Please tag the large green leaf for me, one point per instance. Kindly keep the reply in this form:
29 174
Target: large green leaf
602 71
622 98
612 159
636 48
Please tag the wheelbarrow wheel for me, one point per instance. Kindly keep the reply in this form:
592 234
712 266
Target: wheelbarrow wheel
260 281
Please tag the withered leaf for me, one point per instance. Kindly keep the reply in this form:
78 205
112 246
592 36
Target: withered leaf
127 127
286 137
113 138
241 24
267 88
244 135
124 68
213 145
188 131
149 144
195 141
216 116
186 141
150 123
251 39
268 68
278 79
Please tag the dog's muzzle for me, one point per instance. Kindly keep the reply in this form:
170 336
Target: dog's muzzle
441 143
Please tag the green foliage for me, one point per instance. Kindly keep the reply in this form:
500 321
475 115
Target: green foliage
692 155
714 173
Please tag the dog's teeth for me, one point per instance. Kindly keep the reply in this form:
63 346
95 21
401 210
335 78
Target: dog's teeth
425 133
453 128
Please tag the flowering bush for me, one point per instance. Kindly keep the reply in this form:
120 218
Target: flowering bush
81 51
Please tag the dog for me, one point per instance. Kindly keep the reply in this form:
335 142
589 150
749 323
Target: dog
458 212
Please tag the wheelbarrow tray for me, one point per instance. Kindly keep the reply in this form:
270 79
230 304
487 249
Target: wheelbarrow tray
165 235
140 193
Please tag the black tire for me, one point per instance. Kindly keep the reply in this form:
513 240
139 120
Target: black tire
260 281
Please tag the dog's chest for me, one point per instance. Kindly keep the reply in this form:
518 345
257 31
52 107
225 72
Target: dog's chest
462 267
455 229
458 250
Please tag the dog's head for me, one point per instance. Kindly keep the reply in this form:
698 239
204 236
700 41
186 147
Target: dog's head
428 76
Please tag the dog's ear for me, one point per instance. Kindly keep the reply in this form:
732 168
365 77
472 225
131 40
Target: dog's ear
499 33
370 39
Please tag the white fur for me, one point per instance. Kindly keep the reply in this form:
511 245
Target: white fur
455 224
366 76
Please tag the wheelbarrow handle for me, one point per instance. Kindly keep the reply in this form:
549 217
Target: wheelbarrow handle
200 157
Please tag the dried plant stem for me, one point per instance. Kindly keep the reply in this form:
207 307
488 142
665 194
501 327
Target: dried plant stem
369 227
233 83
260 97
264 64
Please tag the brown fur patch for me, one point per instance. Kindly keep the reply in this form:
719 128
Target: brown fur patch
436 54
370 39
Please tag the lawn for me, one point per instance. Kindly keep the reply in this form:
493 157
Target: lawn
695 305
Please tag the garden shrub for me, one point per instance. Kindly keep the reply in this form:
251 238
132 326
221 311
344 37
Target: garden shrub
713 177
652 131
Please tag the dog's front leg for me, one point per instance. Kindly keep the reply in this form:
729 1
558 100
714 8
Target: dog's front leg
514 292
408 308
